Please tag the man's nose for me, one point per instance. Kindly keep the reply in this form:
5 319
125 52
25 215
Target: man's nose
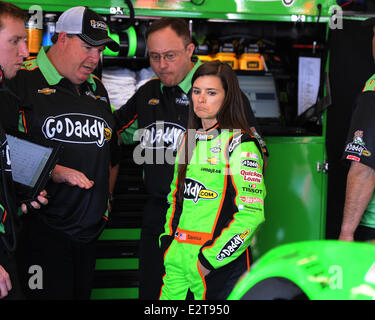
23 51
162 62
95 55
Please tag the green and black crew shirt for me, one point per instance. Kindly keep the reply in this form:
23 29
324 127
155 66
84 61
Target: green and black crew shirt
7 192
156 116
8 201
52 109
360 142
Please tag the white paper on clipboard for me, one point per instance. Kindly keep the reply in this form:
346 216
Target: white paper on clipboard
28 160
308 82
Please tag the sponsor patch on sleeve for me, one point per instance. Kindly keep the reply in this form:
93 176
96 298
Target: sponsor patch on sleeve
357 146
232 245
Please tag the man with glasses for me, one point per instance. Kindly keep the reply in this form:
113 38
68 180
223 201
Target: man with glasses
160 110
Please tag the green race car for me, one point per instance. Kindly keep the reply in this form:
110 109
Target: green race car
315 270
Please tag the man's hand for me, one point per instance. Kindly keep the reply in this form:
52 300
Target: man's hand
346 237
42 199
359 189
71 177
5 284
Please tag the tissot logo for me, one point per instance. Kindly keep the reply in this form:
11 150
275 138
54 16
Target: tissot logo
77 128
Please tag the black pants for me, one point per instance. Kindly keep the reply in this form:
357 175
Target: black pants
151 268
8 262
53 266
220 282
364 233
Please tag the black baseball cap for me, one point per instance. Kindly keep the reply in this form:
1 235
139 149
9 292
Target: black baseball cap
87 25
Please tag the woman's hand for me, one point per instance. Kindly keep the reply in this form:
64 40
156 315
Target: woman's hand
204 271
71 177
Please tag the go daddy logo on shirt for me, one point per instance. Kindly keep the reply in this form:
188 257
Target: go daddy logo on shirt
195 190
77 128
161 135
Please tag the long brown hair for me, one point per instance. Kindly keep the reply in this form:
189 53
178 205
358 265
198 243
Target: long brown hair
231 115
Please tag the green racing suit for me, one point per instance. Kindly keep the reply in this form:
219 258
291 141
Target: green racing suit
222 209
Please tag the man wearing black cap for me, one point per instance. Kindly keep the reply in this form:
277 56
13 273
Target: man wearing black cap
62 101
359 210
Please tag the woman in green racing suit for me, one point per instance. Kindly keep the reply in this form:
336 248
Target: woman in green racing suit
217 193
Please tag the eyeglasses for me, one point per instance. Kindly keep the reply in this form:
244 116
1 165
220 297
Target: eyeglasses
170 56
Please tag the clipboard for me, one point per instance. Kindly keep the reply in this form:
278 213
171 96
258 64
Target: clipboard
32 163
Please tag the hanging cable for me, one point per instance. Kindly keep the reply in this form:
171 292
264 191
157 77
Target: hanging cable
319 6
129 22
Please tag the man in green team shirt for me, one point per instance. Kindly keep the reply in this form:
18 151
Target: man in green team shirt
359 210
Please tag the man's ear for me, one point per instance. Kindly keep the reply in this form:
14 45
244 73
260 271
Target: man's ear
190 49
62 38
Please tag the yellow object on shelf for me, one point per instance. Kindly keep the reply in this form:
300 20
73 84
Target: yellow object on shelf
251 61
34 39
205 57
34 33
227 57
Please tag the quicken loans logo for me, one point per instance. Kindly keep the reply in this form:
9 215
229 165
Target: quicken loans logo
232 245
77 128
195 190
